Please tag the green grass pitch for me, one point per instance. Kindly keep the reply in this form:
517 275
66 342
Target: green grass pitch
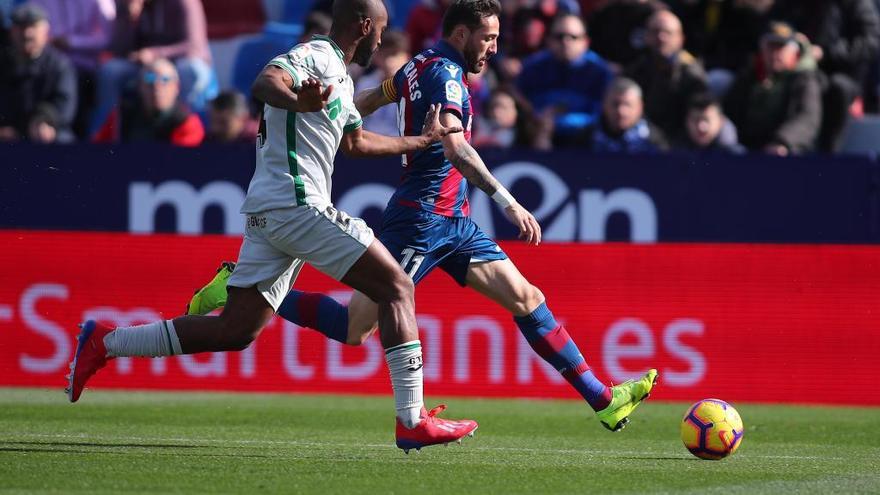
125 442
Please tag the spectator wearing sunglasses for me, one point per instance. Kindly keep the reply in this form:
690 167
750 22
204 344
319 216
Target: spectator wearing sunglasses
156 116
565 83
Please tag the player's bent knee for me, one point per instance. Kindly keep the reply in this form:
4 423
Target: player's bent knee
400 288
526 299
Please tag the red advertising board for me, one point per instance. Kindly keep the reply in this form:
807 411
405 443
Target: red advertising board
763 323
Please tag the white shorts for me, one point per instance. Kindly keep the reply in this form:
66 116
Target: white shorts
277 243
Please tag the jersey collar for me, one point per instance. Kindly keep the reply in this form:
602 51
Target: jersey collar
332 43
450 52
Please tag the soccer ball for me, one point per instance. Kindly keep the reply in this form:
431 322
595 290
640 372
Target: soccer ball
711 429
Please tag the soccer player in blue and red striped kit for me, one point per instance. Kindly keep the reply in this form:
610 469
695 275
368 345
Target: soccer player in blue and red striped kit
426 223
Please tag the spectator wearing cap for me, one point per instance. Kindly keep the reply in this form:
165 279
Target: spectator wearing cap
776 103
229 119
708 129
147 30
668 75
846 40
567 80
391 55
36 79
623 127
157 116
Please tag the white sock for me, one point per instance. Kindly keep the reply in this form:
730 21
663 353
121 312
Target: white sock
150 340
405 367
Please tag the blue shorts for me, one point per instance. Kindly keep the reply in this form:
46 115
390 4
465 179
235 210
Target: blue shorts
421 241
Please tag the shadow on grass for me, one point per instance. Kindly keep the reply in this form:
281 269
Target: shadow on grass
655 458
119 449
108 445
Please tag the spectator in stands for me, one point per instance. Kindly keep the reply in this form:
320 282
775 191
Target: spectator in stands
82 31
391 55
526 24
776 103
317 23
157 116
668 75
730 35
229 119
567 80
509 121
35 79
617 29
623 127
846 40
708 129
423 23
147 30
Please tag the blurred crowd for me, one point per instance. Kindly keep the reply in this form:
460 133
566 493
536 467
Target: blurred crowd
781 77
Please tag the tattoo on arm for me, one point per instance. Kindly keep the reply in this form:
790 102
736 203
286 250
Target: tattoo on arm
466 159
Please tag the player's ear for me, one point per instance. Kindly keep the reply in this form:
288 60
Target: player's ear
366 26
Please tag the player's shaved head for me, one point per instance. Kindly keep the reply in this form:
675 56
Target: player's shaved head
359 23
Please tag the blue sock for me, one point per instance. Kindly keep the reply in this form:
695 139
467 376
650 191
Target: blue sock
551 341
316 311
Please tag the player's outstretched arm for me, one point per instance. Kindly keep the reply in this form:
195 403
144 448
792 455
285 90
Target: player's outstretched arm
465 158
370 100
361 143
274 87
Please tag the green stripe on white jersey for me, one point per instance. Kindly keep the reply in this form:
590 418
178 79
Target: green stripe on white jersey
295 150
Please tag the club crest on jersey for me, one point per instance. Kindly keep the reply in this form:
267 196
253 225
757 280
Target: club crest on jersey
299 53
453 70
453 92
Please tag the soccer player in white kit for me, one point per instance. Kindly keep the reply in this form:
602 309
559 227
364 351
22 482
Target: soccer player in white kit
308 113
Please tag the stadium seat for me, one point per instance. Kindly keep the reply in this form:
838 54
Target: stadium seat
295 11
860 135
254 53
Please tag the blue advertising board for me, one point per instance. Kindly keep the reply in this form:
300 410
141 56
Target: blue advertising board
576 196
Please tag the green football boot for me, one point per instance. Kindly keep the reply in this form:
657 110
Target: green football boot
625 398
213 295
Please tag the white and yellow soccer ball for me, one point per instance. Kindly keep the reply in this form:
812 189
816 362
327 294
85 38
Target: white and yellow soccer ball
712 429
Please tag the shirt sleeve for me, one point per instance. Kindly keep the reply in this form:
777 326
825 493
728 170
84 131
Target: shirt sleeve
447 89
353 122
300 62
393 88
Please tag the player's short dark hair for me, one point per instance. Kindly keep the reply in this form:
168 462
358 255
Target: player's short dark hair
702 102
470 13
229 100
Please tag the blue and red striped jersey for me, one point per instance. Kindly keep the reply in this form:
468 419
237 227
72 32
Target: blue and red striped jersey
430 182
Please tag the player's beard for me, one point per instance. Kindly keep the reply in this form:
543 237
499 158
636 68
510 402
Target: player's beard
472 58
363 52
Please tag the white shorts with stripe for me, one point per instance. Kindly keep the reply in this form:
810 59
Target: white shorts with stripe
278 242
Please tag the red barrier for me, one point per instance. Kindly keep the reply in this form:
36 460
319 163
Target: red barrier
742 322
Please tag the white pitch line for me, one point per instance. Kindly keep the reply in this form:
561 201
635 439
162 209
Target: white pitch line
301 443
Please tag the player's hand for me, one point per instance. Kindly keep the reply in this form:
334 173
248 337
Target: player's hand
529 230
433 129
311 96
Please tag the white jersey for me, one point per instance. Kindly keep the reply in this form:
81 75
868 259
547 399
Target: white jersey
295 151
